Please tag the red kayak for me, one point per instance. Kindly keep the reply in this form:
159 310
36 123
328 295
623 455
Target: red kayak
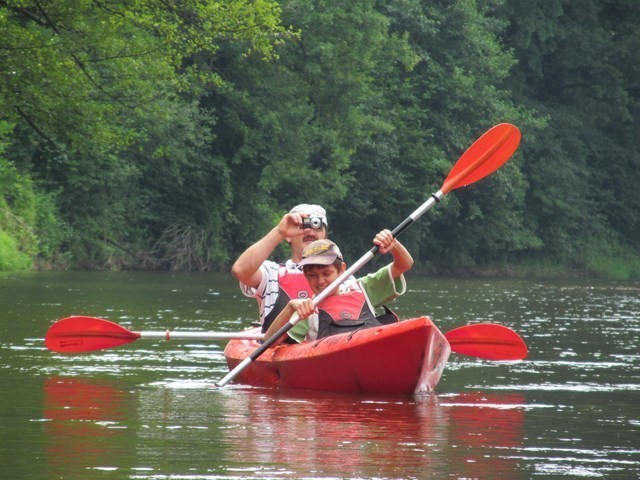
401 358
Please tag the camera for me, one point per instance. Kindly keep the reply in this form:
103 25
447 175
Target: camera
312 222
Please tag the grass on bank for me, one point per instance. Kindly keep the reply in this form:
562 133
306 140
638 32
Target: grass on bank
616 262
11 258
610 260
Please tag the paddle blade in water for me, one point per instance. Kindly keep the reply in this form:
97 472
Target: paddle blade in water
487 340
485 156
84 334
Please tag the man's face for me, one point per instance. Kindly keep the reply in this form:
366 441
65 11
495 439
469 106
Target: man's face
309 235
320 277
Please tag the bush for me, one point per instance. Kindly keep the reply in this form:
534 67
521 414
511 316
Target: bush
11 258
29 224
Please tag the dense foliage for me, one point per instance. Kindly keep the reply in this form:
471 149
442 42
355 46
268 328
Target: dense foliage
172 135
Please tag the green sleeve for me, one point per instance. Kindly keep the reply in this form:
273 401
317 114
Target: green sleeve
381 288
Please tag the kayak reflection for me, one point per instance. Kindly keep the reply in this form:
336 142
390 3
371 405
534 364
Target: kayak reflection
471 435
193 429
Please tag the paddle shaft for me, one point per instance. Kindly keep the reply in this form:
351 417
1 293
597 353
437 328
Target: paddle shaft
168 335
81 333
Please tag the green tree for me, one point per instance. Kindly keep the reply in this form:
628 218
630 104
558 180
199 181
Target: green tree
92 87
292 125
168 135
437 109
579 65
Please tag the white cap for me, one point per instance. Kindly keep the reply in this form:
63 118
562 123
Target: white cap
312 211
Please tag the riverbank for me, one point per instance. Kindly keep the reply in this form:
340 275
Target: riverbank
612 263
615 269
624 268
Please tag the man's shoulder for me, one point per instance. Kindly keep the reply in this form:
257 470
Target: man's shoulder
270 265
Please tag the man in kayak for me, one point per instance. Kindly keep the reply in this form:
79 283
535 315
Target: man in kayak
352 305
273 284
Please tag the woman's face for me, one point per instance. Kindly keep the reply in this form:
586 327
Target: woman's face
321 276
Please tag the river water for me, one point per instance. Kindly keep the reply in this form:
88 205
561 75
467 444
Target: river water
150 409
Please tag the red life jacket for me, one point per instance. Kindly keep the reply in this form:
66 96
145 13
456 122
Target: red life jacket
291 284
346 312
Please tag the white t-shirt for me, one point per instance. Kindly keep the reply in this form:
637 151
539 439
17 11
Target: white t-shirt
266 293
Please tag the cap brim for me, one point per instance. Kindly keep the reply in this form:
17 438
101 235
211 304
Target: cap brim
319 260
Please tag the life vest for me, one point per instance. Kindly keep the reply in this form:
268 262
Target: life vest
291 284
346 312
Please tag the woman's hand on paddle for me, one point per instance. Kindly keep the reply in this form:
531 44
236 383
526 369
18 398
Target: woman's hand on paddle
402 260
304 308
385 241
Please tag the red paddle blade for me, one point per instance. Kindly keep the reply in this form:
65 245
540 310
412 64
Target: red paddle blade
485 156
84 334
487 340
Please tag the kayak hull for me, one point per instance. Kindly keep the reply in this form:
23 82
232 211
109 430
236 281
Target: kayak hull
407 357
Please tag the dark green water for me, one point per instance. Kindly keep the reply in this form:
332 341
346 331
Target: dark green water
149 410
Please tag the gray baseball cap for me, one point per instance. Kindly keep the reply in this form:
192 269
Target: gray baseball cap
321 252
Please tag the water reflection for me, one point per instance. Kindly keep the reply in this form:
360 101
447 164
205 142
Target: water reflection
315 435
85 425
199 432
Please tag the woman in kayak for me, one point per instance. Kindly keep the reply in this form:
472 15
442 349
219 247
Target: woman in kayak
352 305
